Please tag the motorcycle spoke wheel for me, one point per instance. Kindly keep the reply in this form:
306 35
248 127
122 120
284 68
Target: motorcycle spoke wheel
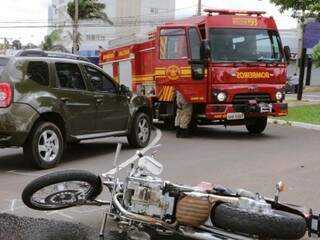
61 194
61 189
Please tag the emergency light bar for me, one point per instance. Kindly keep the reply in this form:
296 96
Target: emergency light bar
233 12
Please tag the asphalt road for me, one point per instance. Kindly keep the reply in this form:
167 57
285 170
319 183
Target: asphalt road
230 157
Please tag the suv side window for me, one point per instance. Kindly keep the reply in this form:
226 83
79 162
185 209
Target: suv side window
99 81
38 72
69 76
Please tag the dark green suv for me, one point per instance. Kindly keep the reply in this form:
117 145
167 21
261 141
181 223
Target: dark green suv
46 102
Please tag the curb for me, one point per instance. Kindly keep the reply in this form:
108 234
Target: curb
295 124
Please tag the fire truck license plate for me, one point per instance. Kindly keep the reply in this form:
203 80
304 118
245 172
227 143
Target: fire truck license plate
265 108
235 116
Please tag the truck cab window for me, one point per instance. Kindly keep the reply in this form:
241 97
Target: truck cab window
195 43
173 44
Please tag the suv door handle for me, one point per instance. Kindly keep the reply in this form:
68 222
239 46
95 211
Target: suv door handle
99 100
65 99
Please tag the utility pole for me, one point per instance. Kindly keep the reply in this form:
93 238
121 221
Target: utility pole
302 57
75 44
199 7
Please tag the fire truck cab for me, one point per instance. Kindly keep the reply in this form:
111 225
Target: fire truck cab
229 64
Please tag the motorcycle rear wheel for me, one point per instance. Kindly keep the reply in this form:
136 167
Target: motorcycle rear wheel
61 190
279 224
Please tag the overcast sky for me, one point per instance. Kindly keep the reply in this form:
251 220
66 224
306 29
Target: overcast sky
29 12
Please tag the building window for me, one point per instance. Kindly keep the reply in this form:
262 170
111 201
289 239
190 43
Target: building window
96 37
154 10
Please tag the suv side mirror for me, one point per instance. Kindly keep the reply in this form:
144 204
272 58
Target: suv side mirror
287 53
205 50
124 90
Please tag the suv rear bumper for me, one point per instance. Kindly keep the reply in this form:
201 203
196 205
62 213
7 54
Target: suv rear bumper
16 122
221 111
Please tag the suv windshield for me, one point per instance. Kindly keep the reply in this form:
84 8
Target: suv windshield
3 63
245 45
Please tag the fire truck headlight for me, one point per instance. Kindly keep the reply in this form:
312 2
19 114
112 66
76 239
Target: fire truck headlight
279 96
221 97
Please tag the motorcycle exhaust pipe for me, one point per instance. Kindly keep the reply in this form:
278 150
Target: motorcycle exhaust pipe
198 235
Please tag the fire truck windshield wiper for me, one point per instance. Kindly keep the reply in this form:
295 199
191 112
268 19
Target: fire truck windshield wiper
268 60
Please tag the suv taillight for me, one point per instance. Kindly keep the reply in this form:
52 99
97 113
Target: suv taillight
5 95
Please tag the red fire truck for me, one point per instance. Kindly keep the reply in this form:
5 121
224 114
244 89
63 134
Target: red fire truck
229 64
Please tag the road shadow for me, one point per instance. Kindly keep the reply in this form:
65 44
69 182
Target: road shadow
221 133
73 152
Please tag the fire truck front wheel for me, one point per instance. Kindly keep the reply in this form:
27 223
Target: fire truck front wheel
257 125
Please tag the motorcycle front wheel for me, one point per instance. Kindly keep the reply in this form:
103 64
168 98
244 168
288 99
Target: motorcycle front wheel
61 189
275 225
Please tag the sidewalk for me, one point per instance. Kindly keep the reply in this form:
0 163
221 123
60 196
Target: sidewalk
311 96
305 113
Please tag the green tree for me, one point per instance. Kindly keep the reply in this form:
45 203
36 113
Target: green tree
88 9
310 7
316 55
16 44
50 40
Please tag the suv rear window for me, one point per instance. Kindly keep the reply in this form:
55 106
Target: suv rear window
70 76
38 72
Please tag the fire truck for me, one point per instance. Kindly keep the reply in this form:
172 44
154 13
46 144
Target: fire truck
230 65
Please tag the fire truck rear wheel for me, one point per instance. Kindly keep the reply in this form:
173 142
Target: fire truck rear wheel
257 125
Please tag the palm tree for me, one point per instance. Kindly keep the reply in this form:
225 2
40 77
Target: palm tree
88 9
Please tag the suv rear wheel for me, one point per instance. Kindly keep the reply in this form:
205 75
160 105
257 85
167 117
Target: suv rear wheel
140 133
44 146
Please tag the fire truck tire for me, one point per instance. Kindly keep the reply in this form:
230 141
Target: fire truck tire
257 125
140 133
278 225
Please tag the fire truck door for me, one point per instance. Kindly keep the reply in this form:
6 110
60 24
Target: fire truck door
177 46
125 73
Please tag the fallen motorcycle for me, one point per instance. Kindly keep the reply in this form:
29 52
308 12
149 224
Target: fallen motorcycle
143 200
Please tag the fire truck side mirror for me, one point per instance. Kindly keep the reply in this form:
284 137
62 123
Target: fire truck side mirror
287 53
205 50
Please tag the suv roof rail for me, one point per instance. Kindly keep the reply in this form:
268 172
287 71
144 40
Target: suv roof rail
41 53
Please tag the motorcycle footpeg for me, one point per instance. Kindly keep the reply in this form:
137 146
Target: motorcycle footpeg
313 224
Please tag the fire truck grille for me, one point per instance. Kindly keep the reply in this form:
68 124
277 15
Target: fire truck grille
245 98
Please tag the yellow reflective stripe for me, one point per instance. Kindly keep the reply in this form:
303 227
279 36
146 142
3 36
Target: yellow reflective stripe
162 93
171 94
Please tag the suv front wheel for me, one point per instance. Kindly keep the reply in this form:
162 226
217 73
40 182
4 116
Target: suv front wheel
44 146
140 133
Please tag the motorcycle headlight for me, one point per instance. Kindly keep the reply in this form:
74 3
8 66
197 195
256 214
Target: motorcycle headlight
279 96
221 97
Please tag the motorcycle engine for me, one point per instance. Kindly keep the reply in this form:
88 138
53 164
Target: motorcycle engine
144 195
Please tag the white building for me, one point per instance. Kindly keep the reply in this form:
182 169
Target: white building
132 19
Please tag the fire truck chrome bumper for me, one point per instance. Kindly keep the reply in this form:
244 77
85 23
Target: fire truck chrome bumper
238 112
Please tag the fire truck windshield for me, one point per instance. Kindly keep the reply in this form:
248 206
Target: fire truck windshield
245 45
